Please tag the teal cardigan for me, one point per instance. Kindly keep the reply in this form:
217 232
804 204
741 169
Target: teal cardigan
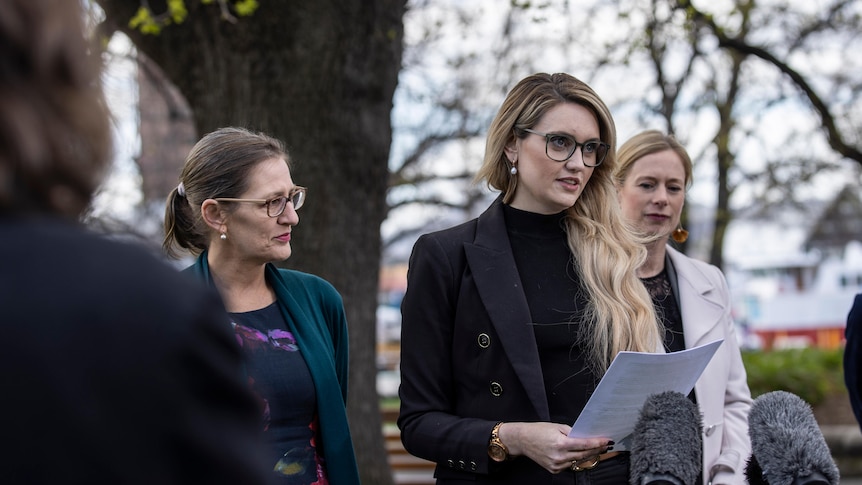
314 313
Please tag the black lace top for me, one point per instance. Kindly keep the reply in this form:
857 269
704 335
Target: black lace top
663 299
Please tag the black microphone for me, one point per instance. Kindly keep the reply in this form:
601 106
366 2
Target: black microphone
666 444
787 446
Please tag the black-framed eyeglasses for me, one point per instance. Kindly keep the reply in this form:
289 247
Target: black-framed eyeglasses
275 206
560 147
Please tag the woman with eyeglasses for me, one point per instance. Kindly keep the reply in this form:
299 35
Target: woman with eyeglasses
511 319
691 296
236 208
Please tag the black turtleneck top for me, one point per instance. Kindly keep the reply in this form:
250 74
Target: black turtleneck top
552 285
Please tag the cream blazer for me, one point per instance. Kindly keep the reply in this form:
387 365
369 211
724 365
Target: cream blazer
722 390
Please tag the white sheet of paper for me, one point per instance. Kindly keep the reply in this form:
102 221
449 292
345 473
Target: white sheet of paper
613 409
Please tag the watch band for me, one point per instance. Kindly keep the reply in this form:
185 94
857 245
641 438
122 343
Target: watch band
496 449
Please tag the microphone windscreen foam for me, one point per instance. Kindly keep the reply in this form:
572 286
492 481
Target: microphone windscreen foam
786 441
666 442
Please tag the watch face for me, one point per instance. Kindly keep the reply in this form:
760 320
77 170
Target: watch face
496 452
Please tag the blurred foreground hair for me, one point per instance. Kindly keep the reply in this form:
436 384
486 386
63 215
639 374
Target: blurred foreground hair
54 126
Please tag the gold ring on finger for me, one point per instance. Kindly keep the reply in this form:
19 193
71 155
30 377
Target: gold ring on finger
578 467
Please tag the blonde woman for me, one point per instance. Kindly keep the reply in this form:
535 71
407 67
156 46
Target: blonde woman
691 297
511 319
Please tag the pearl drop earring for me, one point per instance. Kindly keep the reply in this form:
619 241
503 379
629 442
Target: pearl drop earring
514 169
223 237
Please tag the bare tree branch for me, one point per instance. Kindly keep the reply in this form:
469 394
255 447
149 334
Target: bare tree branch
833 134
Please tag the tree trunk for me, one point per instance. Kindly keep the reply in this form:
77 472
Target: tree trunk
725 158
319 75
722 208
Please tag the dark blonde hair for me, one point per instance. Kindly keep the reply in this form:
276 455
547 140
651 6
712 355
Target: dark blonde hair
620 313
646 143
219 165
55 138
525 105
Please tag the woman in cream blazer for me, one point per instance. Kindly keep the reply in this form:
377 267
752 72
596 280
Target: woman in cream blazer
691 297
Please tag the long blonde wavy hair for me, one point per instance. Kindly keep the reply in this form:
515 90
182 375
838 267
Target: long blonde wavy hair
620 314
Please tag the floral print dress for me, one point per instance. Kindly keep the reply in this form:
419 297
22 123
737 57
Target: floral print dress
279 377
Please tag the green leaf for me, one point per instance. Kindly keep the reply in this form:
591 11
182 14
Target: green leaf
244 8
141 17
177 10
143 20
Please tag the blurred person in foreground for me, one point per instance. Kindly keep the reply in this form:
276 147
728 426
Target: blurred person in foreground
853 357
236 208
510 320
691 297
115 369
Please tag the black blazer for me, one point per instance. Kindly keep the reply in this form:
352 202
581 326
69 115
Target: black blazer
115 369
853 357
468 353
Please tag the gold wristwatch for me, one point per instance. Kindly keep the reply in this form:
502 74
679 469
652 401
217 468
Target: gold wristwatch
496 449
